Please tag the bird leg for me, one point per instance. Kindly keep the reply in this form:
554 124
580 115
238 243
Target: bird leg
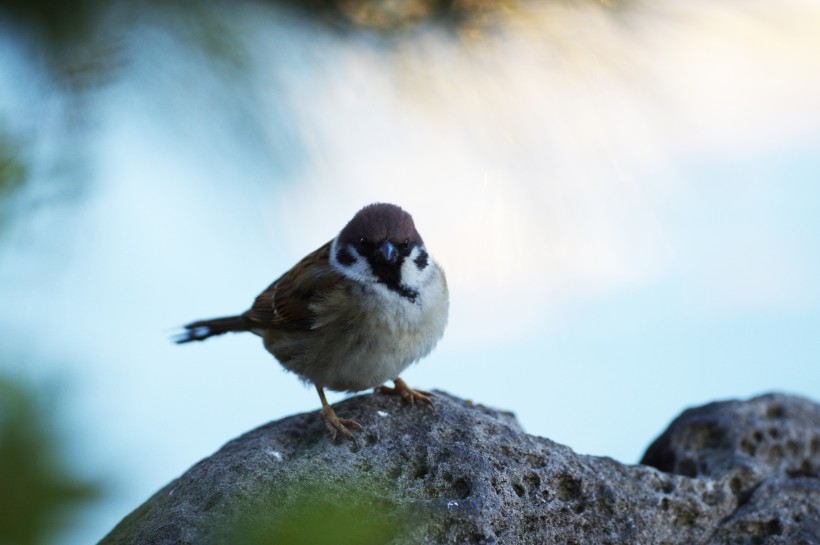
407 393
334 423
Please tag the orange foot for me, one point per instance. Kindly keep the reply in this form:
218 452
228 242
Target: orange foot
407 393
336 425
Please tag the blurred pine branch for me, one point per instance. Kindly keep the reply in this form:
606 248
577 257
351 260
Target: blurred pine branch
39 492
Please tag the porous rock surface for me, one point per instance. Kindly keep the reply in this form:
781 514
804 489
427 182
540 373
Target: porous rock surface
731 472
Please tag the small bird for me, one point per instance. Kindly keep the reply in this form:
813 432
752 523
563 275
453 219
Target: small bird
352 314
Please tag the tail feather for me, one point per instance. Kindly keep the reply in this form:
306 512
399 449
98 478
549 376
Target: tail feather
202 329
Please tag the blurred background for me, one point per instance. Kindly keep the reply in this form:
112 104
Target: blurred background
625 196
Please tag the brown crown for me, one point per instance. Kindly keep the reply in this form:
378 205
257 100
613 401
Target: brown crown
381 221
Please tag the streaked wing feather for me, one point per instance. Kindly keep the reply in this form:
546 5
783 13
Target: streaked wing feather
285 303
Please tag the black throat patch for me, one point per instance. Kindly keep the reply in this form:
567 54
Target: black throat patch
389 274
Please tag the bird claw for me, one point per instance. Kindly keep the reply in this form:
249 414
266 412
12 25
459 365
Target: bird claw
408 394
336 425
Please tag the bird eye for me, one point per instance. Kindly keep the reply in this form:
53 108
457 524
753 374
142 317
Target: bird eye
362 242
405 244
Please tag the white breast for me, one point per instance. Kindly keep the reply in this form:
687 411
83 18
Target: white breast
371 333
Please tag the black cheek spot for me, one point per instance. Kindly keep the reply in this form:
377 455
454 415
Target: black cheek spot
344 257
421 261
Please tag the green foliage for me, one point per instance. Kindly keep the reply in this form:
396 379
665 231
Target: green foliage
55 24
311 516
38 491
13 174
12 168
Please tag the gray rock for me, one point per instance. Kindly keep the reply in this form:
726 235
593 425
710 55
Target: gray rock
767 450
732 472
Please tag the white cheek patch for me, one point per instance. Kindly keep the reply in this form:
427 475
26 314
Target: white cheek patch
412 275
416 269
359 270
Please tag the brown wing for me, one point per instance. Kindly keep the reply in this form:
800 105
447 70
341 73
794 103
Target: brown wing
286 302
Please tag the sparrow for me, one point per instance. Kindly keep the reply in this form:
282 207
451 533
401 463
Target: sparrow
351 315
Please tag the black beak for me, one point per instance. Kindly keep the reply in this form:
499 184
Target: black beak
388 251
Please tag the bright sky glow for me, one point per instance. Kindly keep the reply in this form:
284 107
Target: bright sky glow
626 211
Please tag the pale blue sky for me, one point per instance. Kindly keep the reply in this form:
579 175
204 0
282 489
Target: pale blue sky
623 239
